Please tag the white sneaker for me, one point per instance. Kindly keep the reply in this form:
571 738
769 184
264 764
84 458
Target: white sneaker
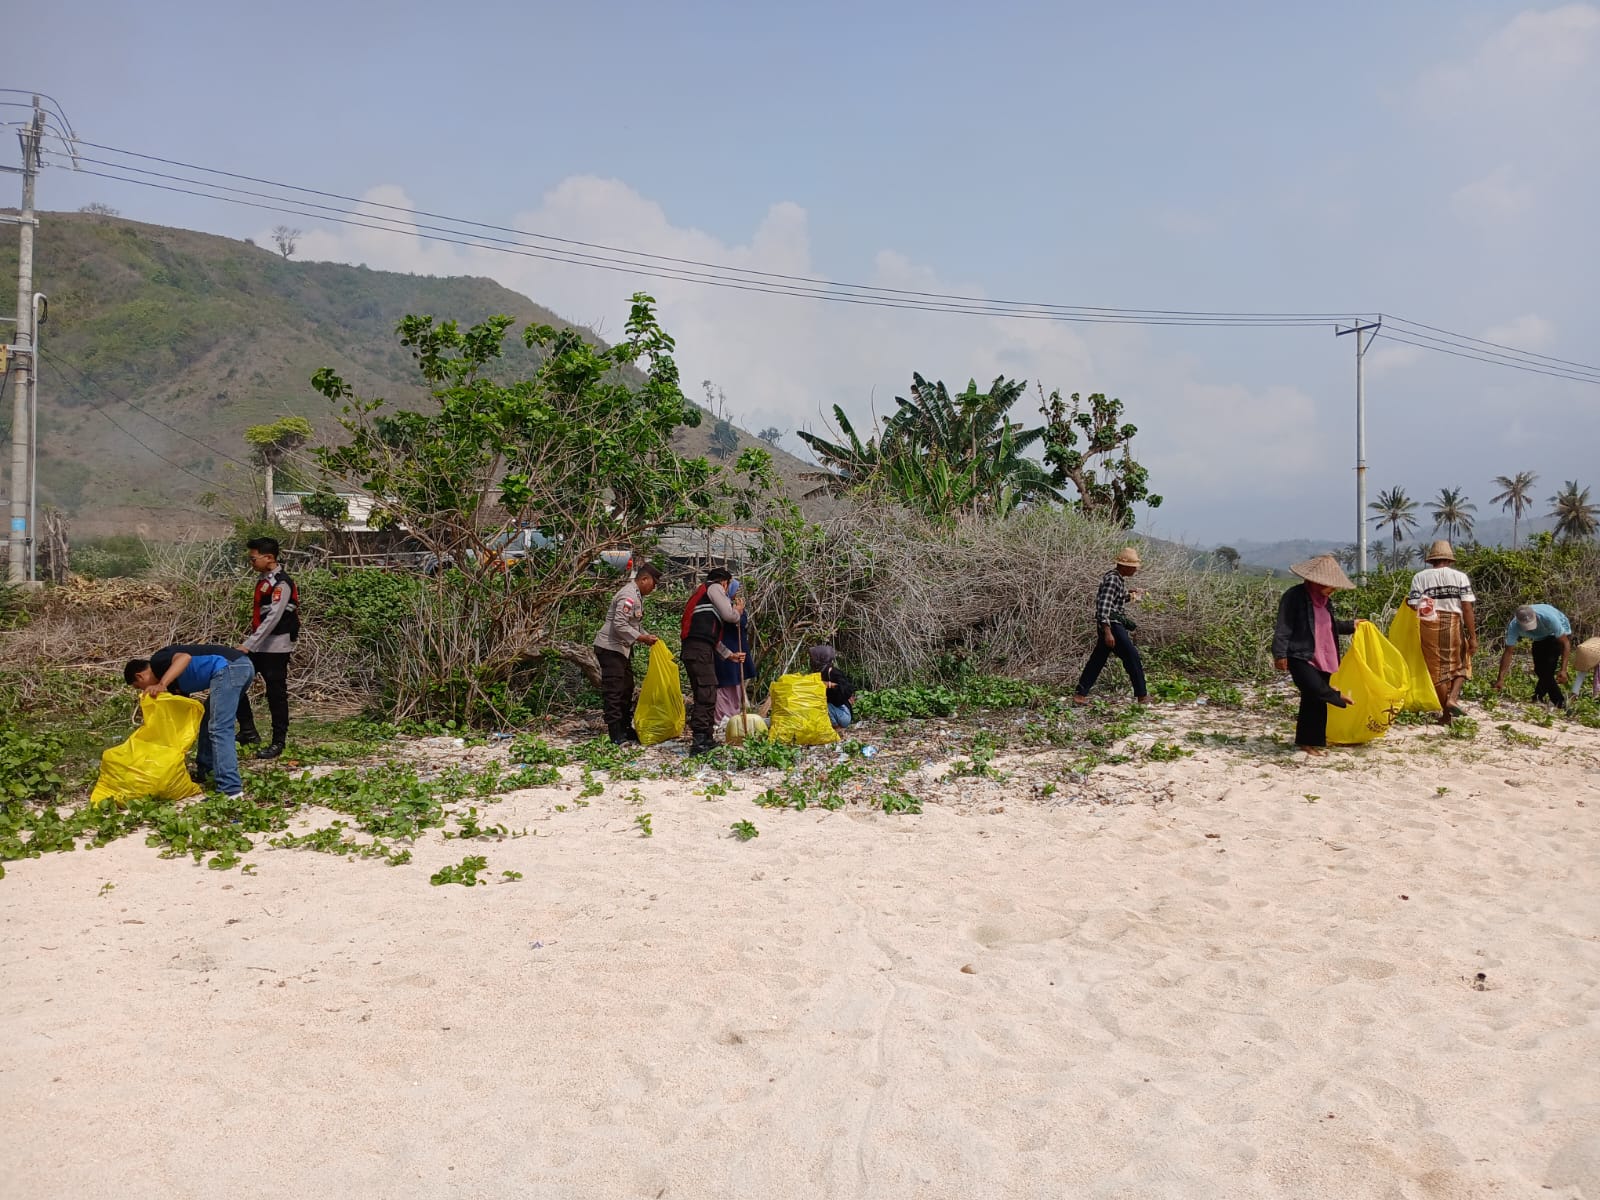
236 796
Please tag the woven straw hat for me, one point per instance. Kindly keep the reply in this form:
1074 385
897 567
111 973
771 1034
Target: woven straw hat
1440 551
1323 569
1587 656
1128 557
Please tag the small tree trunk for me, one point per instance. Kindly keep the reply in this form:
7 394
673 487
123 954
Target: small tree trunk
269 481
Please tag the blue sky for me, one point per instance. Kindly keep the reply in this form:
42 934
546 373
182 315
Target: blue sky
1432 160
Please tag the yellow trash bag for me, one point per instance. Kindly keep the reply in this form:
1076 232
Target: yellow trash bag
150 763
1405 632
800 711
659 714
1373 674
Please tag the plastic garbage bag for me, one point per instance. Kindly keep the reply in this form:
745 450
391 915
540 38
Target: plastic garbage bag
800 711
1374 676
659 715
1405 633
151 762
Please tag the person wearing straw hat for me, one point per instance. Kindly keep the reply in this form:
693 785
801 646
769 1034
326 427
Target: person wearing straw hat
1305 643
1547 627
1442 596
1586 658
1113 629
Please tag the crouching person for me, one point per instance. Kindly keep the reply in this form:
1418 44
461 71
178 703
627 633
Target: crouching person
221 671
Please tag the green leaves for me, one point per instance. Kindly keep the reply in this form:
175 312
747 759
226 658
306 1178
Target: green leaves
1110 488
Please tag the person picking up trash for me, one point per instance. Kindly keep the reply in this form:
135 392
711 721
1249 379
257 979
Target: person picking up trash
1445 606
1550 632
185 669
704 617
613 650
1305 643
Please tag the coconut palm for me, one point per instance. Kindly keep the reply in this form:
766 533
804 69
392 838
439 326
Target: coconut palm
1575 517
1516 494
1396 510
1452 512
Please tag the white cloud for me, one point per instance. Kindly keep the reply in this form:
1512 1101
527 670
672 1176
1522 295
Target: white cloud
1497 198
1523 61
1392 357
1529 332
786 361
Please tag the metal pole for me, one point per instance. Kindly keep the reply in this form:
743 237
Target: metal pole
1362 343
17 560
39 301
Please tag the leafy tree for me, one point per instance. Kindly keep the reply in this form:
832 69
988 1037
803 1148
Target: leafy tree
1516 494
1349 556
939 454
724 439
577 452
1576 518
1089 446
285 239
771 435
99 209
328 508
1452 512
1396 510
1227 556
272 444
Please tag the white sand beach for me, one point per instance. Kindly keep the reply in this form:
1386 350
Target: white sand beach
1376 975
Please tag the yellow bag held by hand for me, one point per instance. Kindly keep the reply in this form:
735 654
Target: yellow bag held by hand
1405 632
150 763
659 714
1375 678
800 711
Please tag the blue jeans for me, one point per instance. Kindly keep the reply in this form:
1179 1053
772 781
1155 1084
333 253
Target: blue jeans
217 752
840 715
1124 649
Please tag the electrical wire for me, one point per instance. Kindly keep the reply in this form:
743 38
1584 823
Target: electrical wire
59 362
1566 362
212 483
1384 333
1584 375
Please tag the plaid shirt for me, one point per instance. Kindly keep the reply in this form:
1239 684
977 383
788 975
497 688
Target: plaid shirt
1112 597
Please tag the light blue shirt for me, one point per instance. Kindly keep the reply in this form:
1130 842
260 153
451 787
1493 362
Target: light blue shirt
1552 623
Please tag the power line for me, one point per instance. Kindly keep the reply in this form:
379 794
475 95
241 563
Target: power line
51 363
1584 375
58 362
1384 333
1497 345
755 286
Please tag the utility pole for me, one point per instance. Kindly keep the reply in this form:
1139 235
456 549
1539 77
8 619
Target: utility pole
1370 331
23 368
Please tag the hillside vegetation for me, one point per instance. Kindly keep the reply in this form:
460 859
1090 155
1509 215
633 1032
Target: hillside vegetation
163 345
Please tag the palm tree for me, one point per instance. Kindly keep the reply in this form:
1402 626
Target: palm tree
1516 493
1452 512
1575 516
1396 510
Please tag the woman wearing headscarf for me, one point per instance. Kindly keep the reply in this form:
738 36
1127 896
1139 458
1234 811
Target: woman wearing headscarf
840 689
735 663
1305 643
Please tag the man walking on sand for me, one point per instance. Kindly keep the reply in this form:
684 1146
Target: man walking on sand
613 648
274 629
703 618
1446 615
1550 632
1113 629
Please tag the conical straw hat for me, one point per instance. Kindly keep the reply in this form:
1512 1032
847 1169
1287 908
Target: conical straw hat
1587 656
1323 569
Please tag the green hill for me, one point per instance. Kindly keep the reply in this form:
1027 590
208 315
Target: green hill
163 345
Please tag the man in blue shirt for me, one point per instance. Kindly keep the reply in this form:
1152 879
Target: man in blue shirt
1550 632
187 669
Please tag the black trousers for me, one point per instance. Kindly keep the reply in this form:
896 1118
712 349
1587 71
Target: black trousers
1546 664
1124 649
1316 693
616 689
700 661
274 672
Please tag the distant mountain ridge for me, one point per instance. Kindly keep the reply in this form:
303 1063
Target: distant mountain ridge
163 345
1489 531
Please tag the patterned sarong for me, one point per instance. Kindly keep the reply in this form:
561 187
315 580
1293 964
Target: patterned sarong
1444 649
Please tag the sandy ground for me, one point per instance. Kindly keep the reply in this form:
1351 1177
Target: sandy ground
1373 976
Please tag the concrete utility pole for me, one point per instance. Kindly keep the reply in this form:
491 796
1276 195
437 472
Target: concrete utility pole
23 367
1362 344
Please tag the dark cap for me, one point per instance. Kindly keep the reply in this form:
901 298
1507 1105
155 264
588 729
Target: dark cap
649 569
718 575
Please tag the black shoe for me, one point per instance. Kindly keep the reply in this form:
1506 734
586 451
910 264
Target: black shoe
615 736
247 737
199 776
632 736
701 746
271 751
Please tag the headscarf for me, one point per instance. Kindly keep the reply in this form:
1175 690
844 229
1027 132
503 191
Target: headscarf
734 587
822 657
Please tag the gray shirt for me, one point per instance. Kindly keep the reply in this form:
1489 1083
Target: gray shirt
265 638
624 620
